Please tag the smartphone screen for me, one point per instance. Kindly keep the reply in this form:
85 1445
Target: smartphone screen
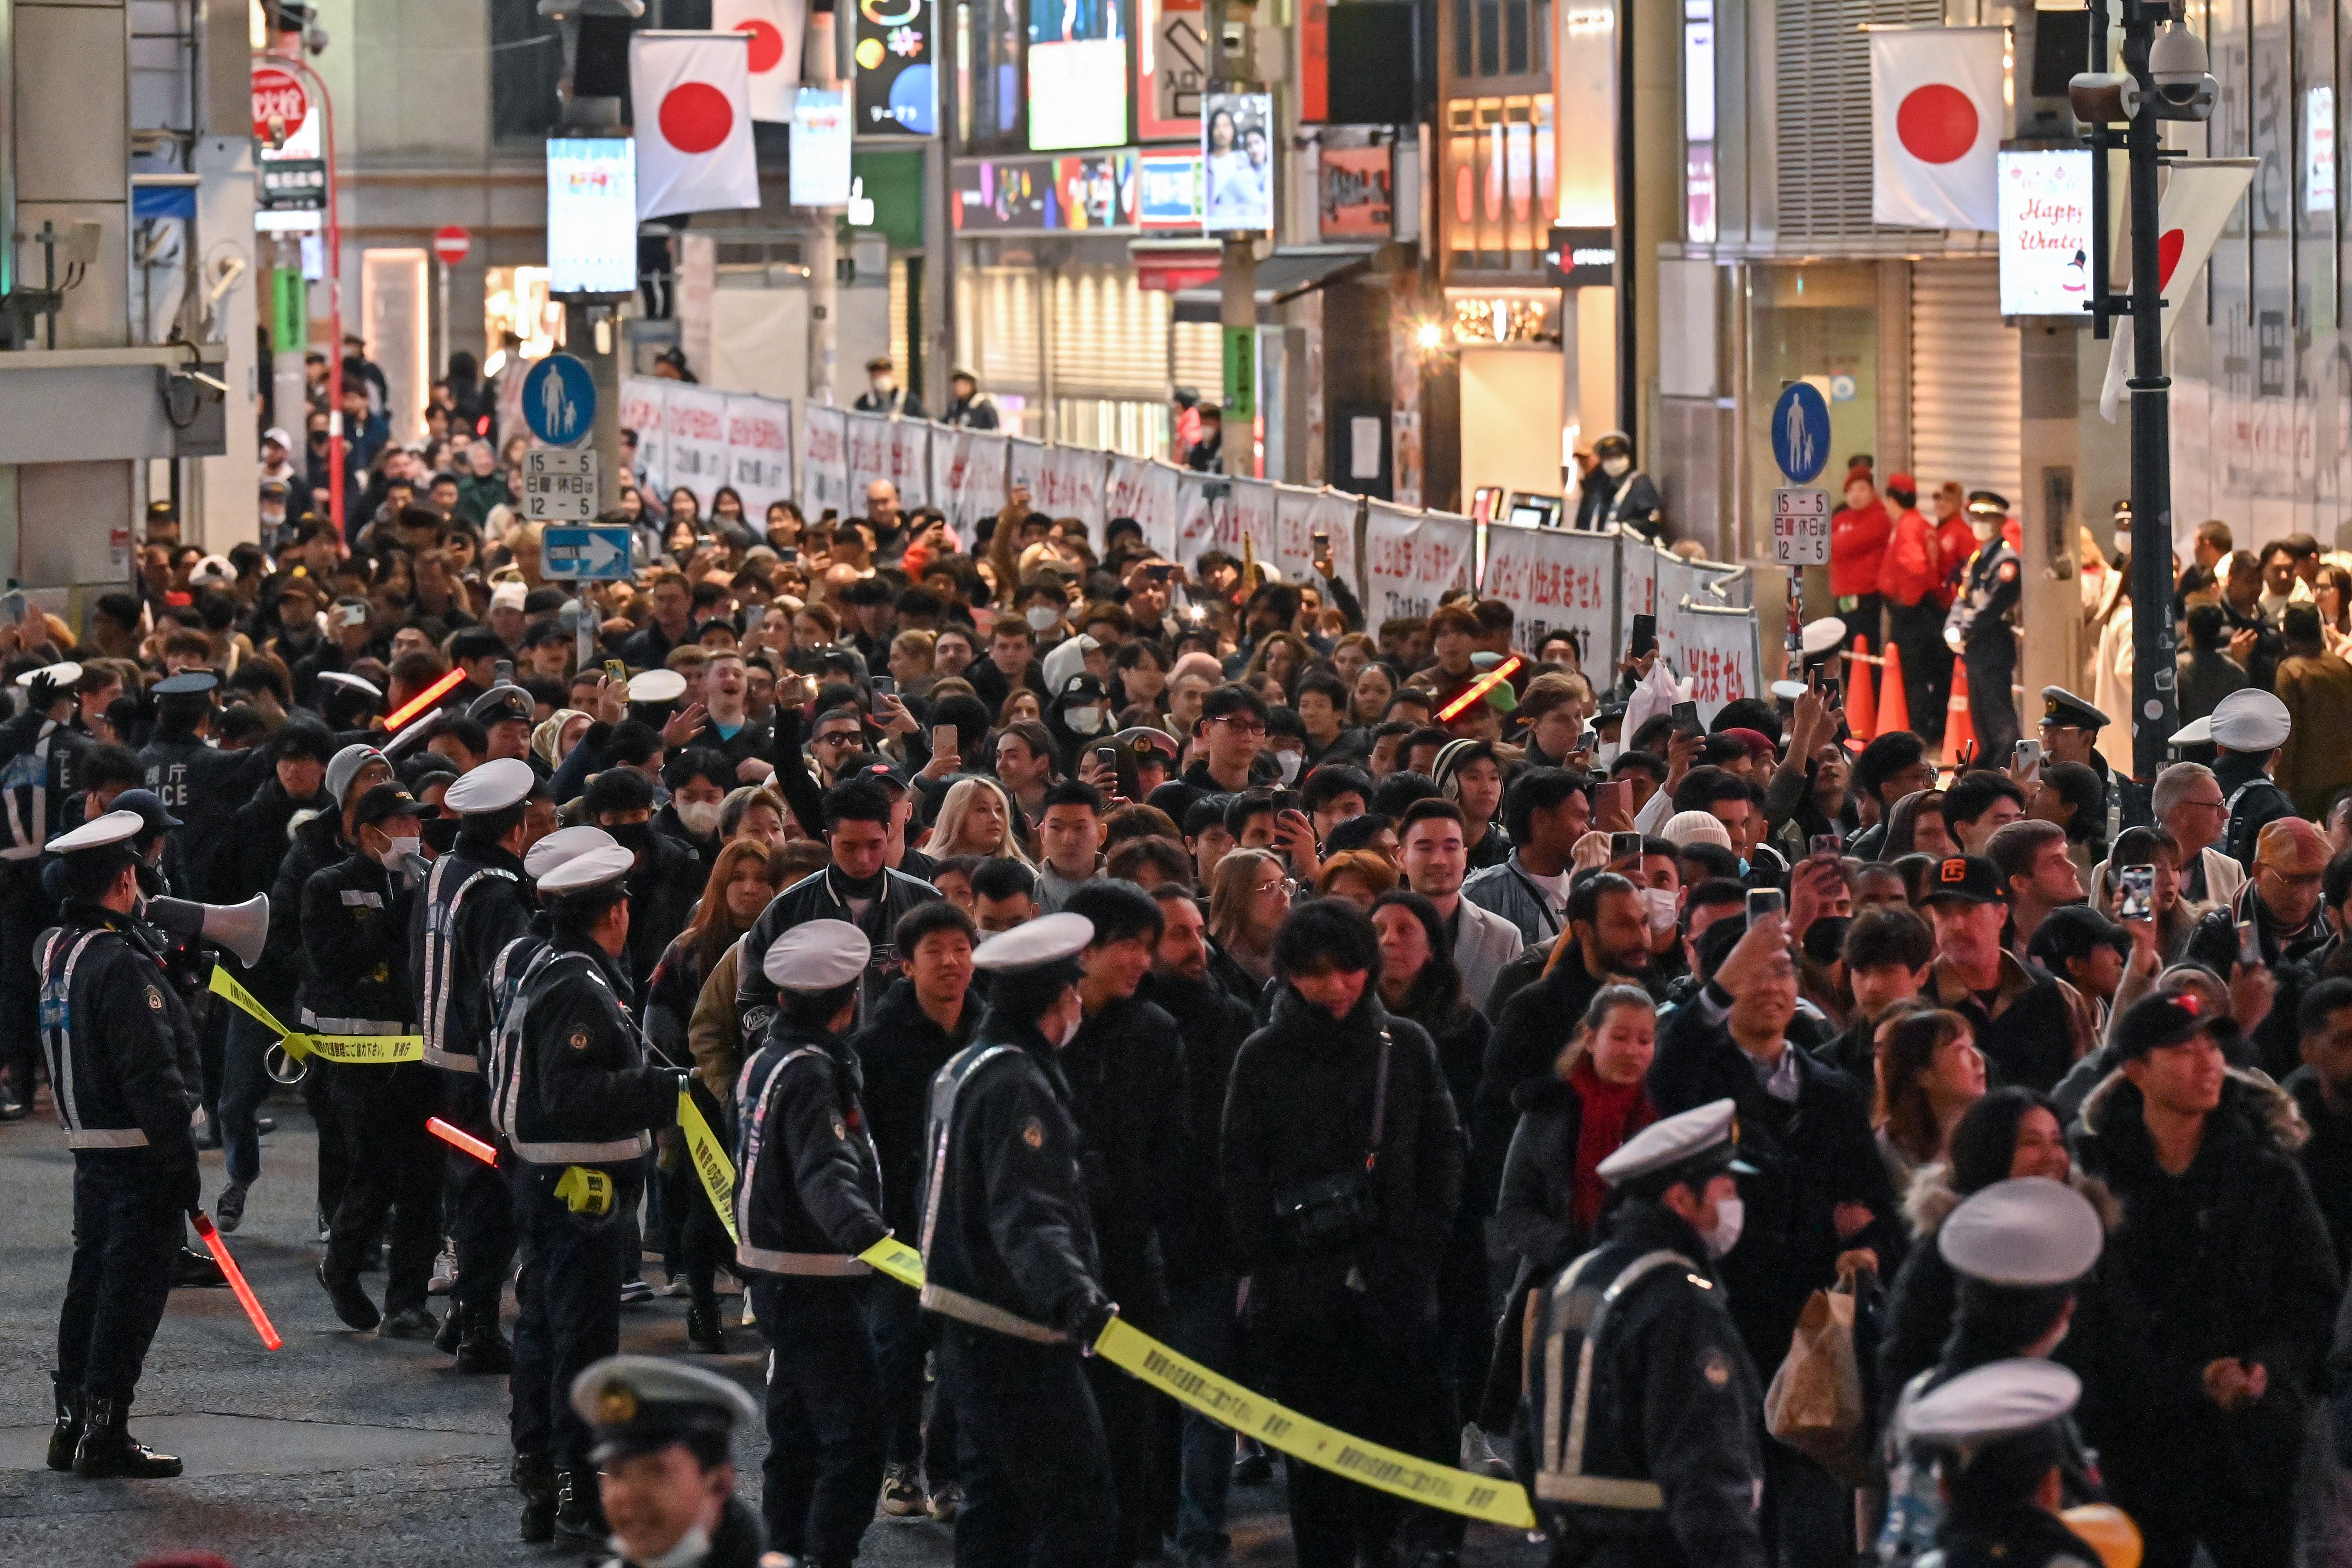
2250 944
1624 847
1107 755
2135 896
943 740
615 672
505 668
789 553
753 616
1687 718
1322 542
884 686
1762 902
1646 637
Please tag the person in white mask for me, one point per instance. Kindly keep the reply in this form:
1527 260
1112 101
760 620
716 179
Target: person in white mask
1616 493
883 394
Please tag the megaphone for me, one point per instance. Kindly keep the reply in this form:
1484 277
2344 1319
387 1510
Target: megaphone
242 929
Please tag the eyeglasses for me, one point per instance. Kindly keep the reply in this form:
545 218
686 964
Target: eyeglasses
846 738
2208 805
1284 886
1248 728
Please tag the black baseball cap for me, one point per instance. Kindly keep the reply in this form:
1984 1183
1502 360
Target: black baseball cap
2154 1022
384 801
1971 878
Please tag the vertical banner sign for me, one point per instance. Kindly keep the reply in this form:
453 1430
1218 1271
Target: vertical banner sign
642 406
1249 515
1411 558
1025 468
1199 501
1716 653
1172 67
695 422
759 453
1241 377
825 462
1298 516
967 476
868 440
1556 580
1070 484
896 93
1314 61
906 443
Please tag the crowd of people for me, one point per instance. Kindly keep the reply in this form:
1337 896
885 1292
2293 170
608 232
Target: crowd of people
1153 939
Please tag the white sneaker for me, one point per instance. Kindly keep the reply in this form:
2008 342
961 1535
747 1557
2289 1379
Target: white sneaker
678 1288
636 1291
444 1274
750 1317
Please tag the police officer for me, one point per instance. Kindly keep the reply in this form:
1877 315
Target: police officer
1978 629
575 1100
37 750
1662 1468
2070 733
472 904
123 1057
197 783
2001 1434
808 1203
1010 1260
355 982
663 1437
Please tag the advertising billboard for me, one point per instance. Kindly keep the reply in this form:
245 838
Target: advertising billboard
1353 197
819 148
1168 193
592 215
1044 195
2045 232
1078 74
896 93
1171 68
1237 145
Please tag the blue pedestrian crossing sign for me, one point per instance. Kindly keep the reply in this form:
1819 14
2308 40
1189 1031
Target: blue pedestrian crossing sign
1801 432
595 554
558 400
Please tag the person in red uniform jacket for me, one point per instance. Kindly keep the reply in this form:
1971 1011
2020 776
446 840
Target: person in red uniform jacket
1912 580
1858 535
1955 541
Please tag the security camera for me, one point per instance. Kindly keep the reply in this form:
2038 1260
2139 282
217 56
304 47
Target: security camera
2177 65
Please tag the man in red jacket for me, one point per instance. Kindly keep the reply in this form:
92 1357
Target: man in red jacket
1858 536
1911 580
1955 541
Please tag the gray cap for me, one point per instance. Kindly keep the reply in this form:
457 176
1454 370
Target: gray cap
345 765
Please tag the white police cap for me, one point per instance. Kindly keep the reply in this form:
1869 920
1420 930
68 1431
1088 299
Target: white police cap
642 1404
2250 720
493 786
593 869
59 675
564 844
656 686
2000 1399
1700 1139
1044 939
351 682
114 827
817 957
1823 635
2196 733
2030 1231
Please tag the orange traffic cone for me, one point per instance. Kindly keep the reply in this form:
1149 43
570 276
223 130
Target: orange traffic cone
1894 705
1956 728
1860 708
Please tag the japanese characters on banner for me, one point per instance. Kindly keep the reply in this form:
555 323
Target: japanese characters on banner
1199 500
967 476
1249 514
825 462
868 439
1557 579
1145 489
1070 484
1024 463
1715 651
1299 515
641 411
907 463
693 423
1411 558
759 453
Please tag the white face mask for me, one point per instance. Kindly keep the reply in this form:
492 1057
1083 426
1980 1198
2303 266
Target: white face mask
1984 528
1070 1029
701 818
1605 751
1616 468
691 1548
1042 617
1285 765
882 385
1729 1215
396 855
1661 904
1083 720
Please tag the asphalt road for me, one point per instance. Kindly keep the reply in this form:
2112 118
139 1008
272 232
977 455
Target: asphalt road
340 1447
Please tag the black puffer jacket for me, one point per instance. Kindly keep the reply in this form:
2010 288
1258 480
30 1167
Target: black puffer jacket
901 1050
1127 1091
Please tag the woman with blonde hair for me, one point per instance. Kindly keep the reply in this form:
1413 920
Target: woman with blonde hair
1249 893
976 818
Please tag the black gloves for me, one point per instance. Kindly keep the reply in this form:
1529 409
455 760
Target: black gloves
185 1186
43 693
1092 1317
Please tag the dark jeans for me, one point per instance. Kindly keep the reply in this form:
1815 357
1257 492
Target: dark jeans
1345 1370
1201 1325
902 1338
244 1084
1861 621
1030 1453
24 910
1808 1515
127 1234
1992 710
824 1420
1129 1411
1918 630
568 1306
380 1112
482 1213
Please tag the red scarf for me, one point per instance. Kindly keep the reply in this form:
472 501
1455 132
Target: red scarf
1612 1113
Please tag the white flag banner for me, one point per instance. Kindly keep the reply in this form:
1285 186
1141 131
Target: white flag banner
1715 654
1069 483
1687 590
1200 502
1025 465
1637 577
967 476
1412 557
2189 217
694 420
908 462
825 462
759 454
1146 490
1556 580
868 436
642 401
1936 107
1298 516
693 98
774 28
1249 514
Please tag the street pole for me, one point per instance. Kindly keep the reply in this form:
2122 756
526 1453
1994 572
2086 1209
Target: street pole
2155 713
821 64
441 339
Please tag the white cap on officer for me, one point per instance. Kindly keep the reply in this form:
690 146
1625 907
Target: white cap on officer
820 955
592 868
352 682
656 686
60 675
642 1404
1692 1143
1999 1400
2030 1231
1823 635
493 786
563 844
1045 939
115 828
2250 720
2196 733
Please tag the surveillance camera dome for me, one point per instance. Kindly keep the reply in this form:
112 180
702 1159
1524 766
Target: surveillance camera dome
2176 59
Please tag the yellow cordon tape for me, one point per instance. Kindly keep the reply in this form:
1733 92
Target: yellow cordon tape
1279 1427
355 1049
710 1161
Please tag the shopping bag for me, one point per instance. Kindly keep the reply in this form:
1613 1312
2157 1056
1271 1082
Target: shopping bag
1815 1404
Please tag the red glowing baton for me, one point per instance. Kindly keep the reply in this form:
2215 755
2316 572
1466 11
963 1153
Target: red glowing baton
1480 687
425 699
463 1141
245 1295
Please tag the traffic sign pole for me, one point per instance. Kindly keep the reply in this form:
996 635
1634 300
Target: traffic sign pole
450 244
1801 446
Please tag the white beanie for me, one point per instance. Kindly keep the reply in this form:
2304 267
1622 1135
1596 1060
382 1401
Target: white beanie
1687 827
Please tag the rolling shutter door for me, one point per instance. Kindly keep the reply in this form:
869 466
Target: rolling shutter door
1109 337
1200 358
1964 408
997 320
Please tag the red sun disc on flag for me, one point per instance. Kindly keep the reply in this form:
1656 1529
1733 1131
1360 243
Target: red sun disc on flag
2169 246
767 43
1937 123
696 117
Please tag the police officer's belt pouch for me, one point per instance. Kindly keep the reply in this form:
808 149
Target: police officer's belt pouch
1322 1214
586 1190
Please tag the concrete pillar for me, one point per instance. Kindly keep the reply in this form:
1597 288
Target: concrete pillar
2051 604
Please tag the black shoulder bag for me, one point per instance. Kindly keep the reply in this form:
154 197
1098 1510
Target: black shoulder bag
1325 1214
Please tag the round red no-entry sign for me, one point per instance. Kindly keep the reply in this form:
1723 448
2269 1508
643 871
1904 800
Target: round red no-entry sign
277 95
450 243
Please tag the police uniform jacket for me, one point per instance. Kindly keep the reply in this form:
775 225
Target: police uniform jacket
121 1053
38 768
1988 592
1668 1469
203 787
810 1196
1005 1219
577 1091
738 1542
354 925
820 896
473 902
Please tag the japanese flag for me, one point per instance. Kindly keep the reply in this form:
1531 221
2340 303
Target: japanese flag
693 100
774 28
1935 126
2198 199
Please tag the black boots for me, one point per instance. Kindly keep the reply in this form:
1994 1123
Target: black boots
107 1452
534 1477
484 1350
66 1435
352 1303
579 1511
702 1329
